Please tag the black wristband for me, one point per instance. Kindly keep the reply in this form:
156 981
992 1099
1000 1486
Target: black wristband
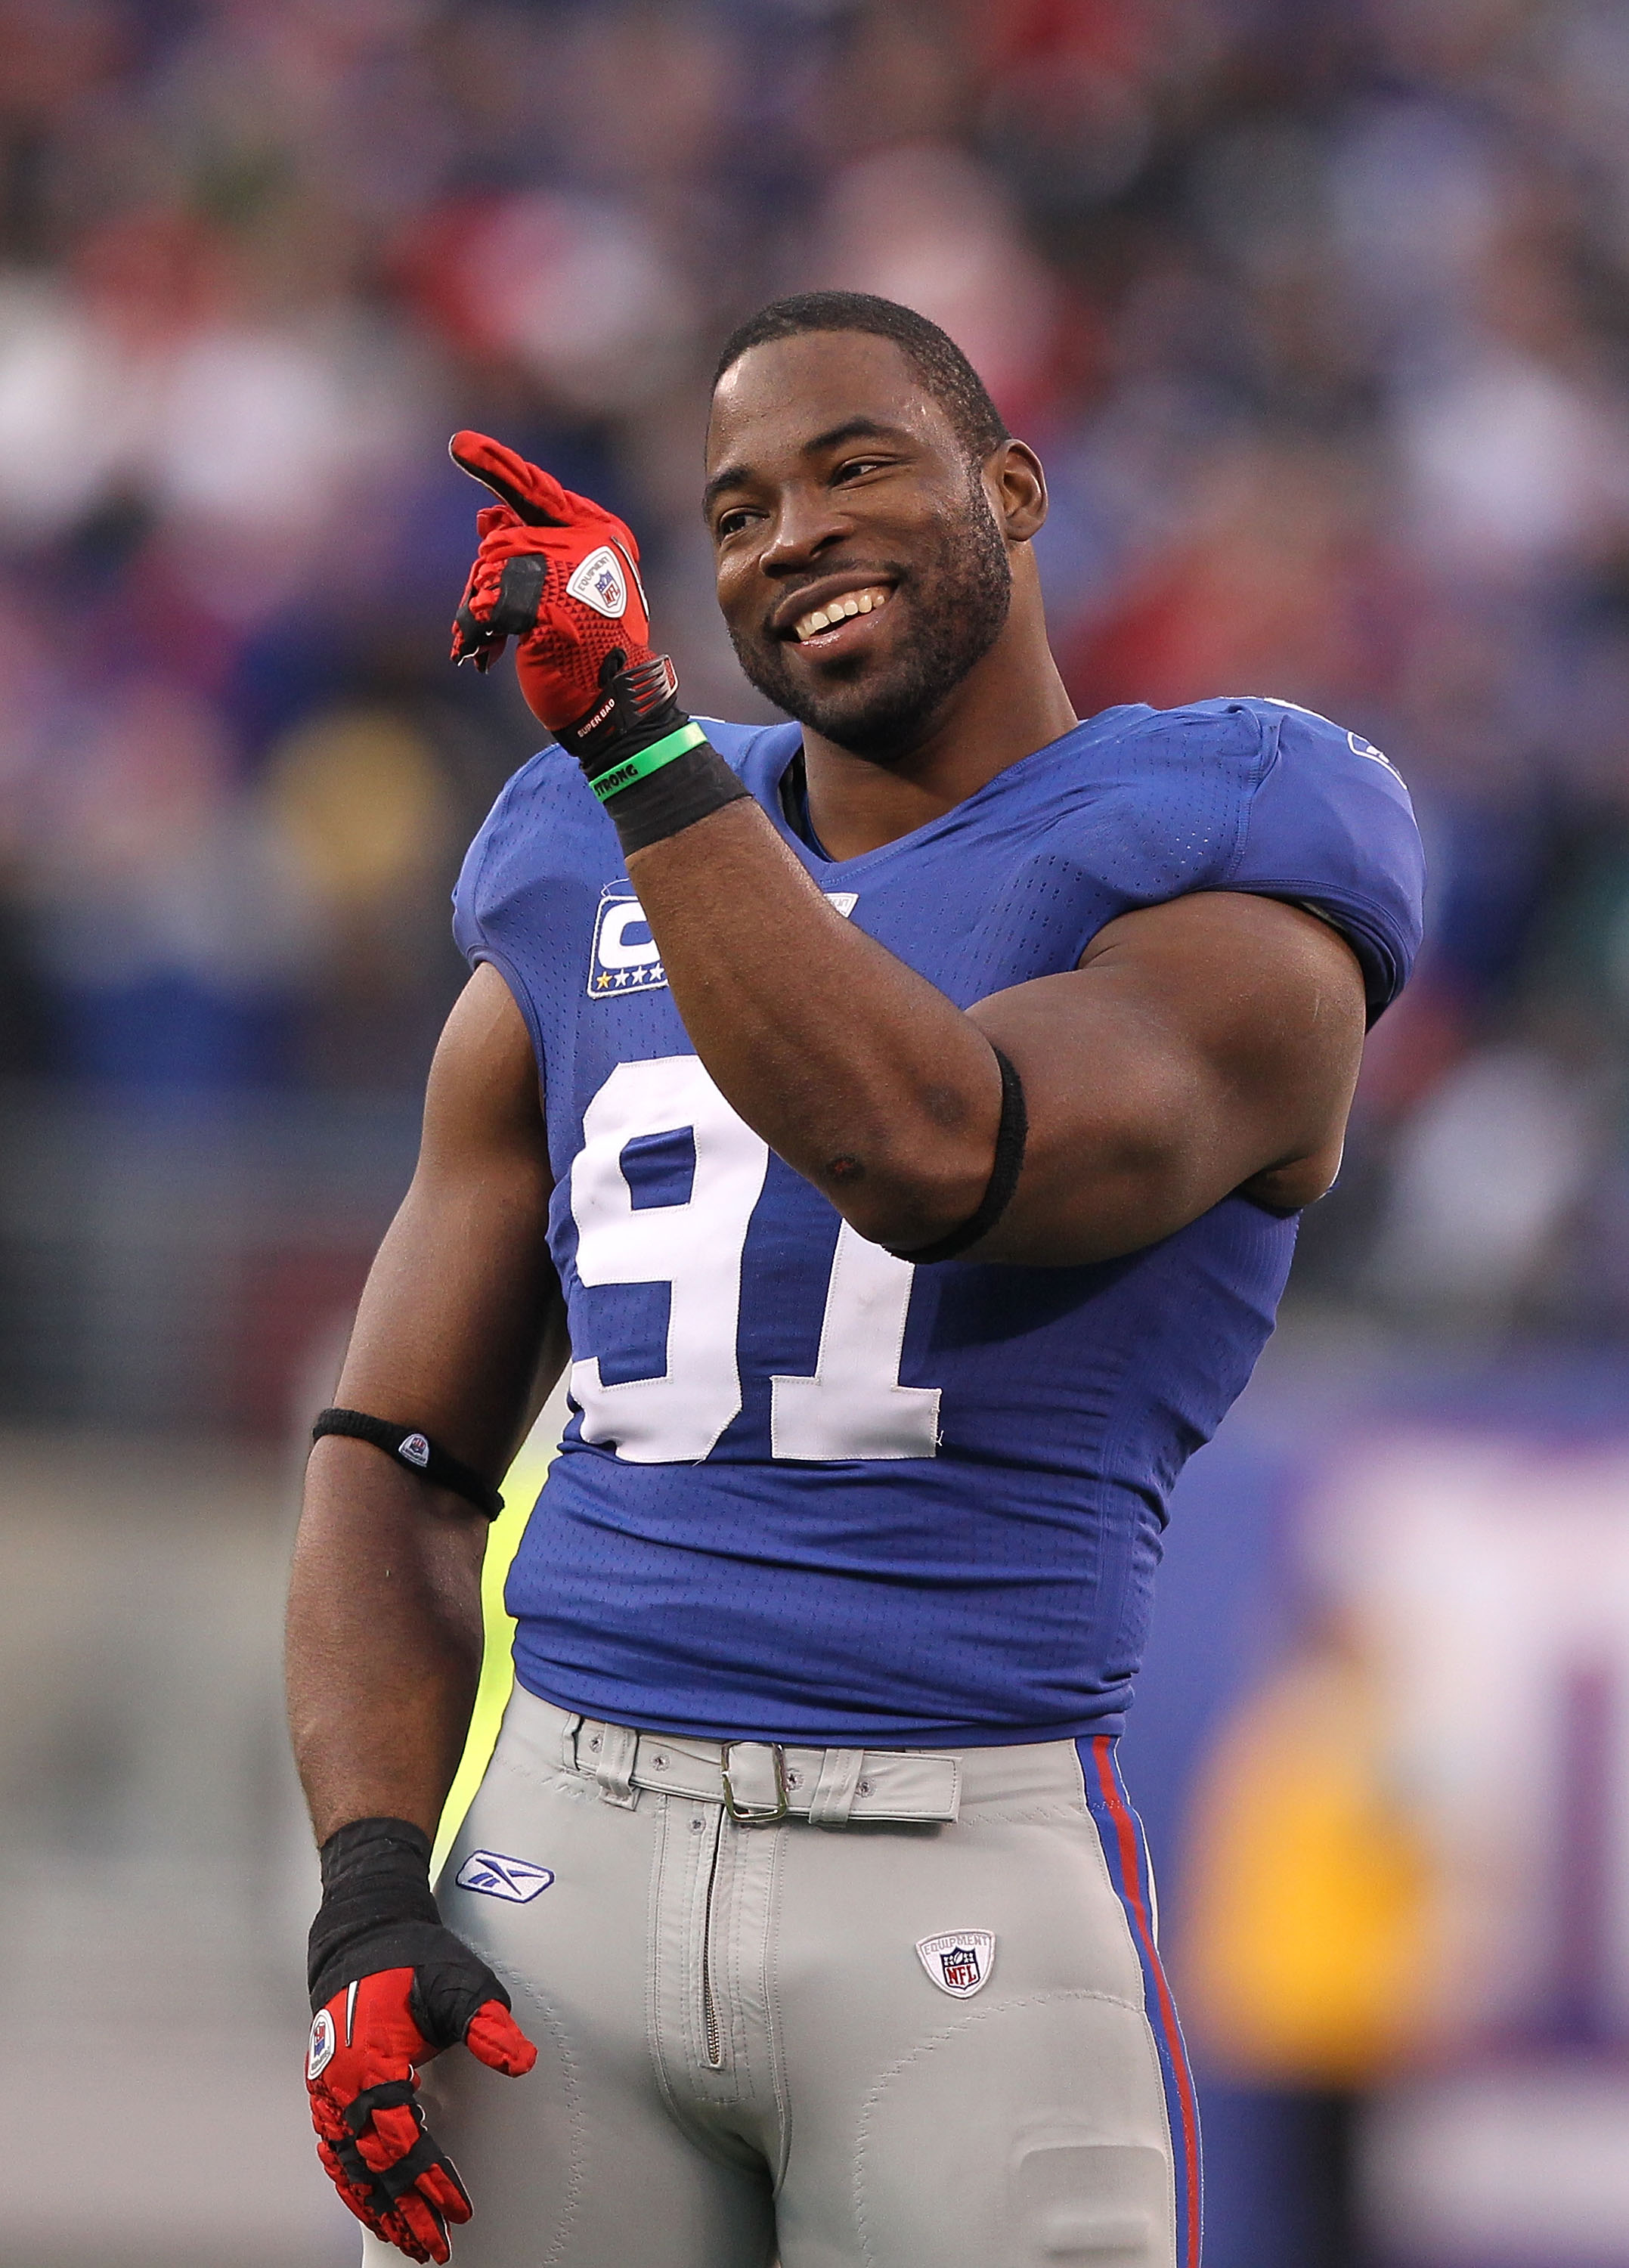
414 1450
650 766
696 783
1012 1134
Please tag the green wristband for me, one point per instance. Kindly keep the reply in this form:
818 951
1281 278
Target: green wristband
646 761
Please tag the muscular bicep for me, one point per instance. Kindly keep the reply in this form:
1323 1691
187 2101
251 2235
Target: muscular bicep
461 1330
1202 1047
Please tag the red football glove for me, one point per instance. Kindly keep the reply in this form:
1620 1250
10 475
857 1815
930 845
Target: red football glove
392 1987
362 2075
559 573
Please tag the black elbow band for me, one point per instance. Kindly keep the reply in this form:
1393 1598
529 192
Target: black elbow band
417 1452
1011 1136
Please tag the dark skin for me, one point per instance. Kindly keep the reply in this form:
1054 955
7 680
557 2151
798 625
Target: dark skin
462 1331
1202 1048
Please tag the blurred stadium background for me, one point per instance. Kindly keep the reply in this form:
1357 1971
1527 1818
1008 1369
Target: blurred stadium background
1318 313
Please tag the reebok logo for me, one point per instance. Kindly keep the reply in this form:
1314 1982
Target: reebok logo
515 1879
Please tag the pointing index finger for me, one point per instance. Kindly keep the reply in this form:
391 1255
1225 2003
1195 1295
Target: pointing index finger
533 495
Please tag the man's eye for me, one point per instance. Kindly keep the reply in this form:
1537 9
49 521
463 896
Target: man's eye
730 523
857 466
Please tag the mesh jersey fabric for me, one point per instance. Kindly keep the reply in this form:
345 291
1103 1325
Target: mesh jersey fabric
809 1493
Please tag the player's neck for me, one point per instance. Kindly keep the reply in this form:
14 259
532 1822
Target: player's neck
1009 705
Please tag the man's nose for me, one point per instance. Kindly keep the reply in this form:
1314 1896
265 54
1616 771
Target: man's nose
806 523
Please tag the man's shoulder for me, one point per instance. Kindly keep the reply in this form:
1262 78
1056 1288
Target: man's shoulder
1159 794
1199 746
757 754
1231 748
1244 791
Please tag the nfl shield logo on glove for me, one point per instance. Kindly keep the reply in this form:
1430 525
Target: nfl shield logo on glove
323 2044
599 582
960 1961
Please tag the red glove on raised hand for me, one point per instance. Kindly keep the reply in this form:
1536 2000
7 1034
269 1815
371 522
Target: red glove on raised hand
556 571
559 573
383 2022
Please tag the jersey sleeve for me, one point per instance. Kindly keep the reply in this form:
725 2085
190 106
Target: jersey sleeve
1330 827
467 924
545 829
479 893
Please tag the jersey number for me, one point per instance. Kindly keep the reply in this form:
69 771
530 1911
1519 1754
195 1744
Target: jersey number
691 1239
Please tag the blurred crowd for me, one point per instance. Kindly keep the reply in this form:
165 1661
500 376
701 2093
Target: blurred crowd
1318 313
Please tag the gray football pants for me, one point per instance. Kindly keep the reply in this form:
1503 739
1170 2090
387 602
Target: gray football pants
920 2042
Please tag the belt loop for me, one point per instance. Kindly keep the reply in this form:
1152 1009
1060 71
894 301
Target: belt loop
619 1746
832 1798
570 1727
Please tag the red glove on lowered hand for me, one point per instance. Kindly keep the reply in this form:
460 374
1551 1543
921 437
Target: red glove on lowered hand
371 2133
556 571
400 1987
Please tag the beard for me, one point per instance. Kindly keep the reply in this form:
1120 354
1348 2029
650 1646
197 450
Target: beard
959 594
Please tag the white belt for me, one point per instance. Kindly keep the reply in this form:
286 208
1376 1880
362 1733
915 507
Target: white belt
758 1782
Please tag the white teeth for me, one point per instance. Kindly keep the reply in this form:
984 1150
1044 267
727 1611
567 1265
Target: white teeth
838 610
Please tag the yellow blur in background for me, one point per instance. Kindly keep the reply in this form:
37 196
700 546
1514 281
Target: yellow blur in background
1307 1950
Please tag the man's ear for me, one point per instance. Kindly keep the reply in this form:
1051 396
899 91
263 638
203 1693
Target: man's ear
1016 487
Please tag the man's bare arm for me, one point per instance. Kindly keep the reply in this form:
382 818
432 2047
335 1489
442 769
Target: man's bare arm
1204 1045
460 1332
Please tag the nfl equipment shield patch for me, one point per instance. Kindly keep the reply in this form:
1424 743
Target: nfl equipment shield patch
960 1961
599 582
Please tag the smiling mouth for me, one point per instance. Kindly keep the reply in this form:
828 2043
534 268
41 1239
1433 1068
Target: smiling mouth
820 621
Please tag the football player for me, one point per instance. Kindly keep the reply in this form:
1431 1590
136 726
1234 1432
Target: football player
898 1120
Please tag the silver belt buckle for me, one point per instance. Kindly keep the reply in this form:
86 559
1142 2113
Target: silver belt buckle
743 1815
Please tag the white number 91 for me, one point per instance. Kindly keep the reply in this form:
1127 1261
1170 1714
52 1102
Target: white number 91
854 1406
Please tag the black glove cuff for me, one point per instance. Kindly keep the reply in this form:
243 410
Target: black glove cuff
650 766
375 1886
375 1848
635 708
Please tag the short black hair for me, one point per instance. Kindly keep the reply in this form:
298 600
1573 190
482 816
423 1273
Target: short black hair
938 361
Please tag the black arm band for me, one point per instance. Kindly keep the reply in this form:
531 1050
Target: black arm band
1011 1136
417 1452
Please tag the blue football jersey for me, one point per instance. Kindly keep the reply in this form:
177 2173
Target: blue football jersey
810 1492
